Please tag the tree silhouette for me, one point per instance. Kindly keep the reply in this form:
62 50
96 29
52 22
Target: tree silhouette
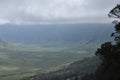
110 52
115 12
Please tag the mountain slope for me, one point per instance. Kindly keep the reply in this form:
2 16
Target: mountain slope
78 68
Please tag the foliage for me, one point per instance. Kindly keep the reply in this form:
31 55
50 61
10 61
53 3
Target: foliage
110 53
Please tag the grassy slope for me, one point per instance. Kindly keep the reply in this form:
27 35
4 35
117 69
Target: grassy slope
78 68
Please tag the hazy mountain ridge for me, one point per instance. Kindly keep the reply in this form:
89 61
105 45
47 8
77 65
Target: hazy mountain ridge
51 33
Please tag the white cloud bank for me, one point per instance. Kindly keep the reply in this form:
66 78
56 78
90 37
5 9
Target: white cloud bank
54 11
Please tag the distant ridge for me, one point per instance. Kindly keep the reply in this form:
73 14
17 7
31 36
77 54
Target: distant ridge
46 33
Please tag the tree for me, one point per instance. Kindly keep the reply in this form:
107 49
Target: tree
110 52
115 13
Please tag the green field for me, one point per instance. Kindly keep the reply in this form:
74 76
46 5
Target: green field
20 60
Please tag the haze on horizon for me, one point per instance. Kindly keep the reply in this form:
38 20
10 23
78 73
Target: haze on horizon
55 11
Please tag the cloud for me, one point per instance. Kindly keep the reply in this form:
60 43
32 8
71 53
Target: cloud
3 21
45 11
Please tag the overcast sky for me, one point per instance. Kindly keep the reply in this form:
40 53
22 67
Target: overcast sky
55 11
